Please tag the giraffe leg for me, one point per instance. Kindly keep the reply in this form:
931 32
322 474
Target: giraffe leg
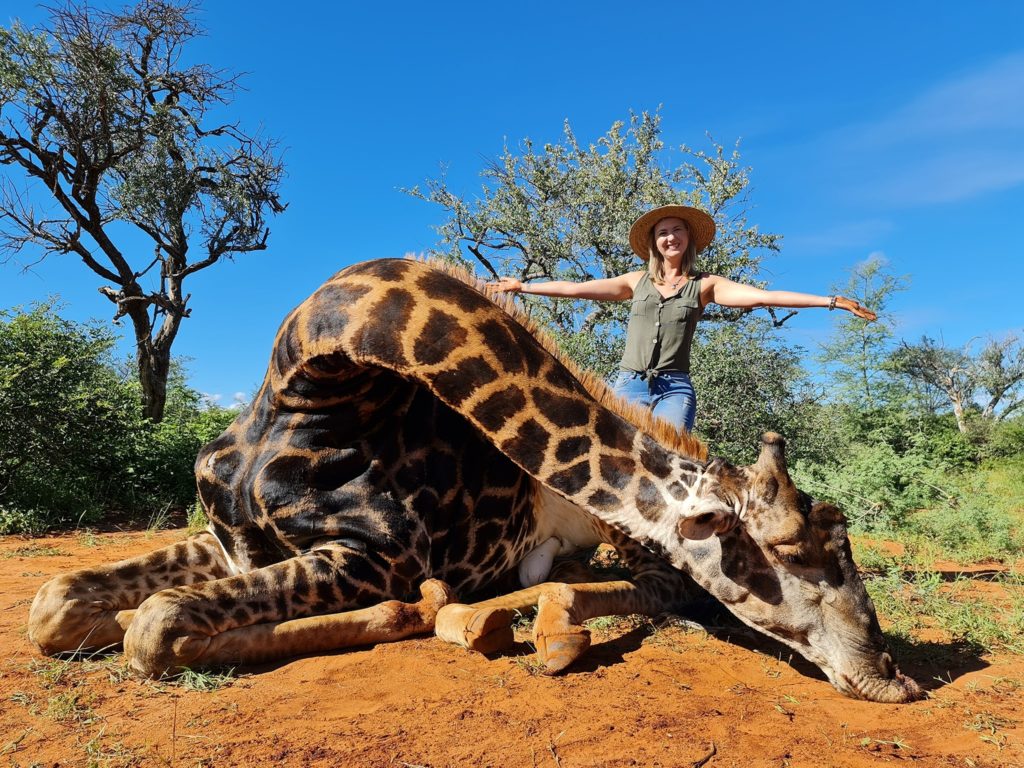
89 609
559 636
486 626
286 609
655 587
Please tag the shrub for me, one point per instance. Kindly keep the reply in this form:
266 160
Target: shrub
62 407
73 443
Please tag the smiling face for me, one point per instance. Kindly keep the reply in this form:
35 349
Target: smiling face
670 237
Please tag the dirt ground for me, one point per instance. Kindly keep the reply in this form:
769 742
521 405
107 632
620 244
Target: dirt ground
644 696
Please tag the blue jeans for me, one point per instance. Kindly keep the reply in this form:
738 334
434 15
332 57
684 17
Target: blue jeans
669 395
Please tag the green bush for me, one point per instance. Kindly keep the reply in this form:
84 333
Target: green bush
61 406
983 517
875 486
73 443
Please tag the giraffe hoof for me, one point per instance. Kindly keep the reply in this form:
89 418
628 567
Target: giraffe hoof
485 630
162 640
558 651
436 594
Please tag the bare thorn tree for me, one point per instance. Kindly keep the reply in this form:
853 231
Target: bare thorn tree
108 125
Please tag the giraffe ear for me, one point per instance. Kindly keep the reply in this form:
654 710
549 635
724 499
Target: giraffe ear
708 519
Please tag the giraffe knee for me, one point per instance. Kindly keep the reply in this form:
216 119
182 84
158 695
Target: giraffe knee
71 614
163 638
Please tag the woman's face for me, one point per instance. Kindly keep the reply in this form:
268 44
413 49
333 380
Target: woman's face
671 237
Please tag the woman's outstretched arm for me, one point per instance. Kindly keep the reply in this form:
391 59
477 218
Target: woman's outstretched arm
607 289
719 290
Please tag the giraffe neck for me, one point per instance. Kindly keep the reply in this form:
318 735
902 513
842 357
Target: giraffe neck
629 481
428 327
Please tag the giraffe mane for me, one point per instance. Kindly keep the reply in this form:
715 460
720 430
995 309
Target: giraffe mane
663 432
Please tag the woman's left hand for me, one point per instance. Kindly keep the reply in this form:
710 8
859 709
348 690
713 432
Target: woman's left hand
856 308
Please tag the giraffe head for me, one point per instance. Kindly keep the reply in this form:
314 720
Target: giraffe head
781 562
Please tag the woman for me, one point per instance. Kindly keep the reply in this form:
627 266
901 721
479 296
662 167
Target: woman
668 299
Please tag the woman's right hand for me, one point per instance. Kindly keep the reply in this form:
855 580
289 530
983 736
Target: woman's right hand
506 285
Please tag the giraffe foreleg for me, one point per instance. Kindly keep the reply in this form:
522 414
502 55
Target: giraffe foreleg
291 608
653 588
90 609
486 626
563 607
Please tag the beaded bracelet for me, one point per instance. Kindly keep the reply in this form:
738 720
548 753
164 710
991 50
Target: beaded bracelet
832 303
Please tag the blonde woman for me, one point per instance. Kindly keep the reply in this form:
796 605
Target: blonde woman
668 299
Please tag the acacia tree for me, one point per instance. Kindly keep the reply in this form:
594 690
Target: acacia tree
997 371
858 353
563 213
109 126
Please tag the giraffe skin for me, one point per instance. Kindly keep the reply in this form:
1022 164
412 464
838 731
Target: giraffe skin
413 435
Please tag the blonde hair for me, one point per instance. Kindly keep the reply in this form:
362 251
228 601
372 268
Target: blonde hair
656 262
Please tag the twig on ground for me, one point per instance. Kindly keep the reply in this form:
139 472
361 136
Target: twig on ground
707 757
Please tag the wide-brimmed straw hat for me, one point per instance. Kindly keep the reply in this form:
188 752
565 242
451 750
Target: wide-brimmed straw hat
701 226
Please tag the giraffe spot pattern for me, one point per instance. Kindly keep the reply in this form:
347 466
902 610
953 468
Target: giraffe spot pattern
453 293
617 471
613 432
562 411
336 299
500 407
288 349
384 336
571 448
534 356
654 459
529 446
442 334
503 344
571 480
384 270
604 501
467 377
649 501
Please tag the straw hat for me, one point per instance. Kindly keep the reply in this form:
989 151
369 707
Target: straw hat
702 227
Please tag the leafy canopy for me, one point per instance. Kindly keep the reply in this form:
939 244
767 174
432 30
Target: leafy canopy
563 212
100 114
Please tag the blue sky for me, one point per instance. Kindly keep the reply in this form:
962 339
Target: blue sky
871 128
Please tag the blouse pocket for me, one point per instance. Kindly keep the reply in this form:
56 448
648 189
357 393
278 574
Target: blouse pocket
644 307
682 309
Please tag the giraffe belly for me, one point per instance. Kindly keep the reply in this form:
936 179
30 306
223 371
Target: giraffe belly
562 528
575 527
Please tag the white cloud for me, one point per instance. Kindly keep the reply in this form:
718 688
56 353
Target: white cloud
950 176
990 100
850 234
957 140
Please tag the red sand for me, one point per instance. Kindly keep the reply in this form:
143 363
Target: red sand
670 698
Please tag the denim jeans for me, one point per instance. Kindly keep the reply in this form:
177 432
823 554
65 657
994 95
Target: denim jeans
669 395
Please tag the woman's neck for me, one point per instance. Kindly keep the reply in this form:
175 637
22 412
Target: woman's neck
673 270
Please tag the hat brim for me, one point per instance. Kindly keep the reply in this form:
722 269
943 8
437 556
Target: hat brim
700 225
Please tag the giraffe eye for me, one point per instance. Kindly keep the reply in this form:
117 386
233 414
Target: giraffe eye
790 554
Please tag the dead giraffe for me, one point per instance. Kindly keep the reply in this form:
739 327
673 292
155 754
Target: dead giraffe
410 433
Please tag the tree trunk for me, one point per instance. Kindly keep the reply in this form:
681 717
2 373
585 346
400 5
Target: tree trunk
958 412
154 367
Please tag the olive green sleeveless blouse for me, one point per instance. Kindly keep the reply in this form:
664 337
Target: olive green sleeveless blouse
660 330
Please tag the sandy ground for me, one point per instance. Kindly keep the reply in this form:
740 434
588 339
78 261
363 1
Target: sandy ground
644 696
